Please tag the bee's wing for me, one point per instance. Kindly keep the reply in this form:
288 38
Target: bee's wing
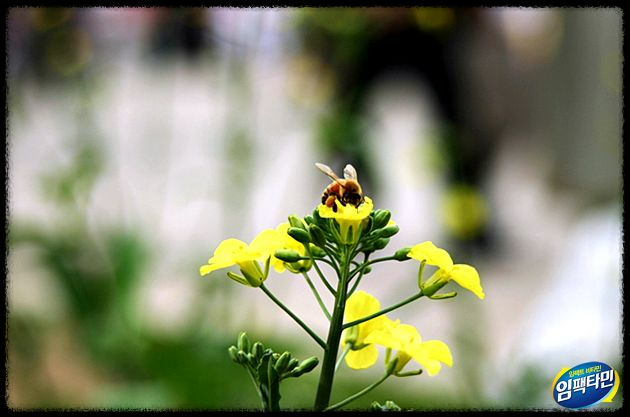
327 170
349 172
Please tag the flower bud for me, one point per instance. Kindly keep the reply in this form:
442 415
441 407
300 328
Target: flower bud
319 220
307 365
243 342
308 220
367 225
295 221
389 231
233 352
381 243
317 252
287 255
241 357
381 218
299 234
257 350
251 359
293 363
300 266
282 362
401 254
317 235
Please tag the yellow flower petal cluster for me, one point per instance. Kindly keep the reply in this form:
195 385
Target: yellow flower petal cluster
359 305
349 218
465 275
236 252
403 338
406 340
248 257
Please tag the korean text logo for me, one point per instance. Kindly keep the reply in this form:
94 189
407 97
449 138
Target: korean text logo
585 385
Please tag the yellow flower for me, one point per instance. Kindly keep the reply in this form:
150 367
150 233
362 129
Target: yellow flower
349 218
406 340
465 275
361 304
236 252
247 257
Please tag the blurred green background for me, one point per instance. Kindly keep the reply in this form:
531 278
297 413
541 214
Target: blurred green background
138 139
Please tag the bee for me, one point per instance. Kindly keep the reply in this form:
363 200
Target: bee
347 190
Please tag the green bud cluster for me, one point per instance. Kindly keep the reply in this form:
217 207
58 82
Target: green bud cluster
312 231
253 356
377 232
388 406
318 231
319 234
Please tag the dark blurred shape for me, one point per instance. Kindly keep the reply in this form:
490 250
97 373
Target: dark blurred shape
53 44
180 30
48 18
360 45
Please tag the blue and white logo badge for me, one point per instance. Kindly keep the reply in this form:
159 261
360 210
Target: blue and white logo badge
585 385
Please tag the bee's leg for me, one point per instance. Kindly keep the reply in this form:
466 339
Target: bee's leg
330 202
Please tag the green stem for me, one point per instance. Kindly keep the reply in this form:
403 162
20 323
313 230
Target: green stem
324 389
321 275
305 258
384 311
333 259
293 316
316 294
358 394
356 283
262 399
366 264
342 357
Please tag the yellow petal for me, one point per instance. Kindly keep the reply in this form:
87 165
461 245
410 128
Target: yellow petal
225 255
439 350
359 305
383 338
287 242
206 269
430 355
277 264
266 242
363 358
427 251
229 247
406 334
349 218
467 277
431 366
347 212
